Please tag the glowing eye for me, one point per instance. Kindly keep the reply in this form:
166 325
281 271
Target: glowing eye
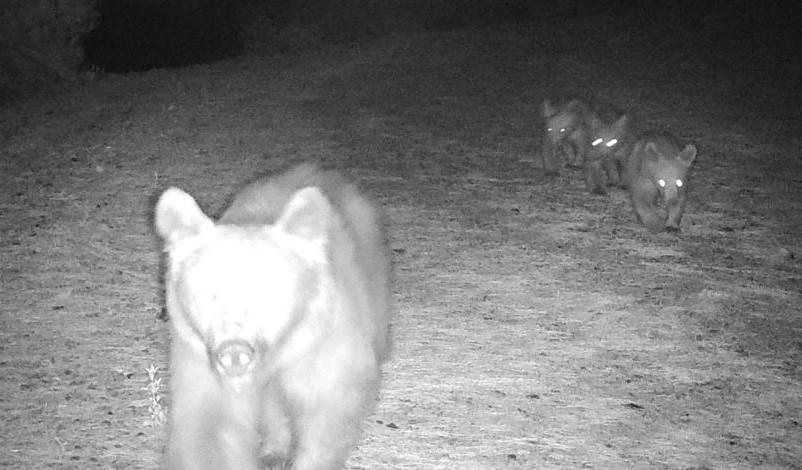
549 129
662 183
611 143
226 361
679 183
243 358
562 129
596 142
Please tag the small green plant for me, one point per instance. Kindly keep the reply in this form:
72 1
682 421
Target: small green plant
158 413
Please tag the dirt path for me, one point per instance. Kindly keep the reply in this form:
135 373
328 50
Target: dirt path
538 326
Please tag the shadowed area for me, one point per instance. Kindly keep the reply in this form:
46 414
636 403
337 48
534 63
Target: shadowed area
136 35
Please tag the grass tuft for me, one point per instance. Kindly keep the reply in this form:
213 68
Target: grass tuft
158 413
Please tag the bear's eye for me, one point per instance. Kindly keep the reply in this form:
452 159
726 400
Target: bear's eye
597 142
611 142
662 183
679 183
563 129
549 129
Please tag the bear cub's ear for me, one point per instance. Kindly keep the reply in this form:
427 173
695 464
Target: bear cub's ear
178 217
307 215
548 109
688 154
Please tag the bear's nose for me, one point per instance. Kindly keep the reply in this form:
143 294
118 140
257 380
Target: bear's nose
234 358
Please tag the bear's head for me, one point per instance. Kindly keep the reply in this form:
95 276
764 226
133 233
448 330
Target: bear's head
238 291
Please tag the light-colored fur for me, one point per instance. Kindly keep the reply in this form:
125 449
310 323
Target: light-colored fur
280 317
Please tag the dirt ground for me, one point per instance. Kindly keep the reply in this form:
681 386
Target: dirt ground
537 325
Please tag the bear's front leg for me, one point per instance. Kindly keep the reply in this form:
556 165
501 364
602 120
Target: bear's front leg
594 176
643 196
551 158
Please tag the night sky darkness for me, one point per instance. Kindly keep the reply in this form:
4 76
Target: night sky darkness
146 34
138 35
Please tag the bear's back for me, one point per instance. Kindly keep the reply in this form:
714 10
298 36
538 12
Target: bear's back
262 201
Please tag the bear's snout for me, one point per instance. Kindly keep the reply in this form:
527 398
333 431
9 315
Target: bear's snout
234 358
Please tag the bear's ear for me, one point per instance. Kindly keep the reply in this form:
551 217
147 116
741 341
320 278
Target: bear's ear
623 122
652 152
307 215
548 109
178 217
688 154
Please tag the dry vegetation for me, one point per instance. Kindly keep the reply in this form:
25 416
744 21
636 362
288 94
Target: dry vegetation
537 326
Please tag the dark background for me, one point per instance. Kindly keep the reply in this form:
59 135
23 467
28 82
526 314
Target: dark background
46 43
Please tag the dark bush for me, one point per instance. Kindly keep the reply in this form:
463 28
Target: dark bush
41 43
144 34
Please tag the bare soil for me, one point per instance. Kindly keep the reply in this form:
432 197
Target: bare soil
538 326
